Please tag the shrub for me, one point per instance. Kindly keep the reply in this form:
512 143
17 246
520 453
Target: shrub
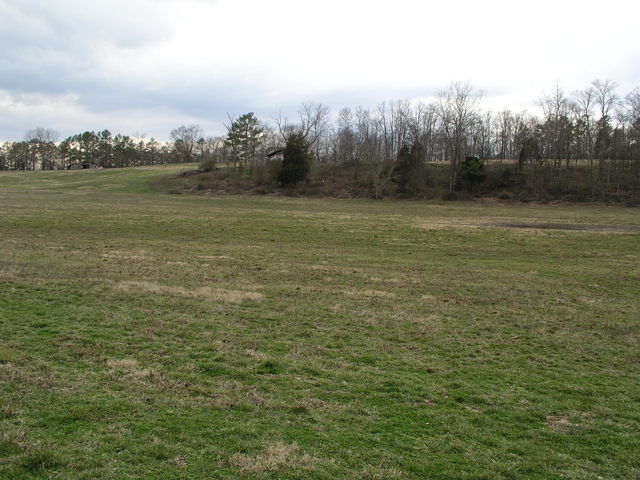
208 165
450 196
472 172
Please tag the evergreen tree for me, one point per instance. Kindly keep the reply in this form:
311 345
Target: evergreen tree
472 172
296 161
408 169
243 136
403 169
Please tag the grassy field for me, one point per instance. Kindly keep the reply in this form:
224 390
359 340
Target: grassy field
156 336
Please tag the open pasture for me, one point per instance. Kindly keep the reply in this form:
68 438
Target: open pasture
157 336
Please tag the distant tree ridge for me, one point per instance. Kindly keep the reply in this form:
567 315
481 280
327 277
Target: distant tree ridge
586 143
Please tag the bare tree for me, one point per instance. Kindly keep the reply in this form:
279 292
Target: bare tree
366 141
505 133
42 146
185 139
582 106
632 114
313 121
557 126
606 99
42 135
344 141
422 127
458 110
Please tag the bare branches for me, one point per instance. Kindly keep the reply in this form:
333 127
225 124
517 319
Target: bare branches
41 135
458 111
313 121
185 139
605 96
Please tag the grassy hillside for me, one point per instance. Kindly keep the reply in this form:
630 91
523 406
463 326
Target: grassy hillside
145 335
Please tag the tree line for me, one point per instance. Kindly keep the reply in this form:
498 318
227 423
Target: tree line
585 144
41 150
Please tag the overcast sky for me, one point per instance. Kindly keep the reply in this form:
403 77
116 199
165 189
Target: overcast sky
147 66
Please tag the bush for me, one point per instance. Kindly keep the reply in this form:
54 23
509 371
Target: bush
450 196
208 165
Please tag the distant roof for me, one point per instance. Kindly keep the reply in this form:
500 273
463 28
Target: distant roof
272 151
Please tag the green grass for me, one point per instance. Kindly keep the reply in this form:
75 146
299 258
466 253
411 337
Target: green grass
145 335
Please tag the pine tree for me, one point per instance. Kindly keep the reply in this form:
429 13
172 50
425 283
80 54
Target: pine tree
296 161
243 137
472 172
403 169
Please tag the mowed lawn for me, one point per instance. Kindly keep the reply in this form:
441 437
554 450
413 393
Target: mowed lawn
157 336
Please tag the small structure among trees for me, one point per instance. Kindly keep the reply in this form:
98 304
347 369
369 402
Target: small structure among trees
82 165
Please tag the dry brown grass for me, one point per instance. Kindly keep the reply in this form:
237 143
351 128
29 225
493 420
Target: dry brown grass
116 254
440 224
127 366
206 293
561 424
369 293
381 473
8 274
275 457
251 353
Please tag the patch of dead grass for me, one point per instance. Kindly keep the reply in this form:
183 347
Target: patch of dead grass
8 274
394 282
251 353
381 473
126 364
441 224
561 424
275 457
130 368
370 293
119 255
573 227
320 268
214 294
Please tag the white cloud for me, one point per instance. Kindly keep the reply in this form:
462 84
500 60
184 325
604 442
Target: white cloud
63 113
197 60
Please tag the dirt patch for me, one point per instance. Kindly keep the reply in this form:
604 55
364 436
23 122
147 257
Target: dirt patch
571 227
214 294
